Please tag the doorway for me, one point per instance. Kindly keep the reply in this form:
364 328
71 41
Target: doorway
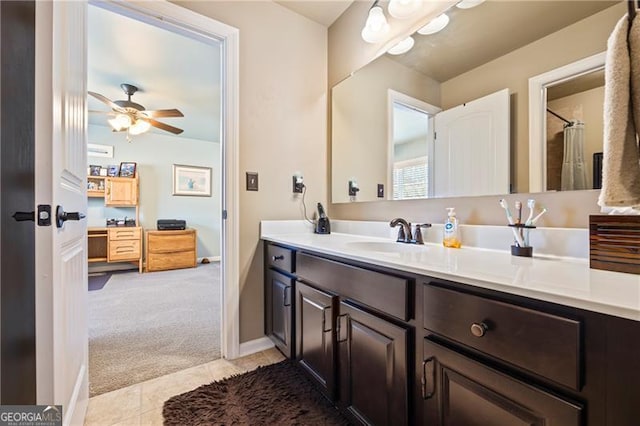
143 326
61 89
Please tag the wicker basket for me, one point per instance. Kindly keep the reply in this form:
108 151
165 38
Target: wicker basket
614 243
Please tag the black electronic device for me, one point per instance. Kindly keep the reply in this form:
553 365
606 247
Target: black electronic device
323 225
171 225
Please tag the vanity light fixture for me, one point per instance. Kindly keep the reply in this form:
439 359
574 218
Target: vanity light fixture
468 4
435 25
402 47
376 26
402 9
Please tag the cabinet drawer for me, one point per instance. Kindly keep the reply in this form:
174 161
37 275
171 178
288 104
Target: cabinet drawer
162 261
386 293
168 243
124 234
124 250
280 257
545 344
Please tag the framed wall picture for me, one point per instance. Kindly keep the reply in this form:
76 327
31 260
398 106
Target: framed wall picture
127 169
191 180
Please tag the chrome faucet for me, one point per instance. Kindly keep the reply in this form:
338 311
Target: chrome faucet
405 234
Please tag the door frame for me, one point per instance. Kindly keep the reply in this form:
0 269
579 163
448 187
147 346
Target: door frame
179 19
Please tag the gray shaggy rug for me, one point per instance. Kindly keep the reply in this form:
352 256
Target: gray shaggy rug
143 326
278 394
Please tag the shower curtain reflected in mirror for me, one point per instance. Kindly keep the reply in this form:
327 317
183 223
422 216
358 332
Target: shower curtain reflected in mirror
574 174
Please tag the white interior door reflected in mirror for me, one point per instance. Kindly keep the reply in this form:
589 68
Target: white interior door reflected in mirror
410 147
472 148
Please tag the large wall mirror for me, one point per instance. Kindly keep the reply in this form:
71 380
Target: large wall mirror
388 147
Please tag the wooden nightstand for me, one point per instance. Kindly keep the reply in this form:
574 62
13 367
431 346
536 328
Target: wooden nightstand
166 250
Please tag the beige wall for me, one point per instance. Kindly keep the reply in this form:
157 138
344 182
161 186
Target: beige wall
566 209
359 132
283 110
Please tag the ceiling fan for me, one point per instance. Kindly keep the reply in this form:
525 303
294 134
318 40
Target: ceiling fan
133 117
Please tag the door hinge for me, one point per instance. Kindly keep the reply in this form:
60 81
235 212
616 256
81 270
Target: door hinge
224 215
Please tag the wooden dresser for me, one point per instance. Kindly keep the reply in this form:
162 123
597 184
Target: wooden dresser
170 249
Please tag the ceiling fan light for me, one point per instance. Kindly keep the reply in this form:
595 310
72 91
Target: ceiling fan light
402 9
120 121
435 25
402 47
139 127
376 26
468 4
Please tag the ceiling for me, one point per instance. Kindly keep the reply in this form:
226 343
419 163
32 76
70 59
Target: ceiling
477 36
170 70
323 12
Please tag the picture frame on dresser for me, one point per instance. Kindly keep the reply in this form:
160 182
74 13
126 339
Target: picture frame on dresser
191 180
127 169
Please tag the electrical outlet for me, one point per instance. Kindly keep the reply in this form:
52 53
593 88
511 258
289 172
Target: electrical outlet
380 190
298 184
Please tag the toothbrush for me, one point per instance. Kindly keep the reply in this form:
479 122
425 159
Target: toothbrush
535 219
518 206
531 203
516 235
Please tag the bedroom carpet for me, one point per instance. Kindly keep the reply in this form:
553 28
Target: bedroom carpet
143 326
278 394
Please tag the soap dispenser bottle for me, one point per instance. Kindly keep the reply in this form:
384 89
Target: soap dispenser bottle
451 234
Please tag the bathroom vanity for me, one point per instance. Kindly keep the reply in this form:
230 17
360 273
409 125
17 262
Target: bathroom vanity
401 334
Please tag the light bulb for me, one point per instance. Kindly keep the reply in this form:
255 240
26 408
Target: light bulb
376 26
120 121
140 126
402 47
435 25
402 9
468 4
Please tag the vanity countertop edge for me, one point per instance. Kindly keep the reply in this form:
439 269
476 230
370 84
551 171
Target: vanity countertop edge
564 281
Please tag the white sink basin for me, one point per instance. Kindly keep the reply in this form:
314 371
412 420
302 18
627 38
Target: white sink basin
386 247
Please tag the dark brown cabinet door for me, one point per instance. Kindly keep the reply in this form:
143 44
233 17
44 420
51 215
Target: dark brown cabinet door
315 322
373 368
460 391
280 290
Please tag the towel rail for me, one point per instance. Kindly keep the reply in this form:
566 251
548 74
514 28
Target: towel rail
560 117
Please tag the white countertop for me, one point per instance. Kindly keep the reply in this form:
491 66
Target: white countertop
565 281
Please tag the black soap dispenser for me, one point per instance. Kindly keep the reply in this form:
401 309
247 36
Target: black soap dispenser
323 226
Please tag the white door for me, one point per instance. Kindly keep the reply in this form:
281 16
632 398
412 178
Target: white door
61 252
472 148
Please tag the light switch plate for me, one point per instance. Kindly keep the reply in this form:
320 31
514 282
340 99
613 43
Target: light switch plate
380 190
252 181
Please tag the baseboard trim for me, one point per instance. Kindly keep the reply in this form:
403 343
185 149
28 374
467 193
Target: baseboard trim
256 345
211 259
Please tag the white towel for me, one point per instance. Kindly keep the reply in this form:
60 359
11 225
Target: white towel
621 162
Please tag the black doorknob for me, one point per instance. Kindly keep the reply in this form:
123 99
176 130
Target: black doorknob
62 216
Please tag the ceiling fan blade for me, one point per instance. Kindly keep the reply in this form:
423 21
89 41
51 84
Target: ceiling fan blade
163 126
107 101
163 113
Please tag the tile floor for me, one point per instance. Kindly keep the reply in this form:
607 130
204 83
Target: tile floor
141 404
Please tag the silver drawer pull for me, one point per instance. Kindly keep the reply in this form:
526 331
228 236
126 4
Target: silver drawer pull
279 257
479 329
